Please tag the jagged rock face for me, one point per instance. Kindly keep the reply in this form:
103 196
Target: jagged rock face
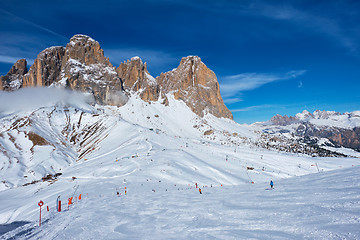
340 137
282 120
133 73
13 79
85 68
342 130
192 82
196 85
46 68
85 50
136 78
80 66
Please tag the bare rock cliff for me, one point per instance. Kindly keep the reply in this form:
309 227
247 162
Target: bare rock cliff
136 78
46 68
342 130
195 84
85 68
13 79
81 65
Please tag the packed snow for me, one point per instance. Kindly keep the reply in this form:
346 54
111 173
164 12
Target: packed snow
158 154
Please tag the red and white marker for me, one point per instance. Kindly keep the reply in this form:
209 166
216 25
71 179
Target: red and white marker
40 205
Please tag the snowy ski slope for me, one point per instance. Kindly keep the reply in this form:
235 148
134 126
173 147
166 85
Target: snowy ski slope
158 153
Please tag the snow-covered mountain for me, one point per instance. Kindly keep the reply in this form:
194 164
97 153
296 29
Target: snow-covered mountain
326 129
157 139
158 154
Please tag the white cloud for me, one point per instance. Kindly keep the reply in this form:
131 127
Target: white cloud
12 60
318 21
232 100
8 59
251 108
233 85
33 98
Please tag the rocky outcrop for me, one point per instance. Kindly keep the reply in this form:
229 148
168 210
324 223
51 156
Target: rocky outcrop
283 120
195 84
86 50
81 65
46 68
14 78
136 78
339 137
341 130
191 82
85 68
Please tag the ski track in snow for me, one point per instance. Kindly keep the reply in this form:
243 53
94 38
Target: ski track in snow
330 209
159 170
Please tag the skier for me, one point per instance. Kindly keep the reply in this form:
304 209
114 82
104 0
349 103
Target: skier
271 184
200 190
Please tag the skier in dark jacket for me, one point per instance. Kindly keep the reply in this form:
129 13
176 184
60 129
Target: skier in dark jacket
271 184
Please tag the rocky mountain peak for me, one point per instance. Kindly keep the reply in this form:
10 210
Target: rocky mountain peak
195 84
85 68
46 68
86 50
13 79
20 67
325 114
341 130
134 73
82 66
305 115
283 120
136 78
190 60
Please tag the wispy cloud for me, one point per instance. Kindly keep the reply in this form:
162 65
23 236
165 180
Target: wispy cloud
232 86
33 24
325 21
335 20
232 100
12 60
252 108
32 98
21 38
8 59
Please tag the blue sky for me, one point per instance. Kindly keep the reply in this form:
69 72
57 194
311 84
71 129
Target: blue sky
270 57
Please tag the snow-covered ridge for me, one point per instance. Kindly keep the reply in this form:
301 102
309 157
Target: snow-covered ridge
321 118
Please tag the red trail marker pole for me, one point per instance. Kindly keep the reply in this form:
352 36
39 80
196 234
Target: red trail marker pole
40 205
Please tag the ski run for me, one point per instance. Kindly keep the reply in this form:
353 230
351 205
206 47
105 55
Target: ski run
160 157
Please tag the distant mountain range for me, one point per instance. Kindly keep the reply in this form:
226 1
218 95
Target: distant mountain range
320 128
